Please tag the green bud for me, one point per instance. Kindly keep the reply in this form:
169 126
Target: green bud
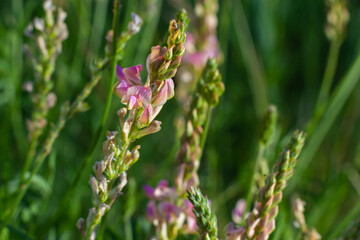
268 124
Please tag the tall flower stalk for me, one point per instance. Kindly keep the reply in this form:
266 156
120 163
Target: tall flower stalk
113 54
48 33
171 201
266 132
337 18
260 222
136 120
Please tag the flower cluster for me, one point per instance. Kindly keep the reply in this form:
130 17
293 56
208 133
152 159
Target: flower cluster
48 34
205 216
210 88
165 215
203 45
200 47
298 207
207 95
143 103
337 18
260 223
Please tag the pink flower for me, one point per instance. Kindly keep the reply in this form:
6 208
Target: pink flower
149 114
168 212
164 91
155 58
163 212
198 58
161 192
238 211
233 233
190 227
130 89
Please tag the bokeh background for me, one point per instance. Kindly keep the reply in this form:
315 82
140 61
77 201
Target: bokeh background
281 41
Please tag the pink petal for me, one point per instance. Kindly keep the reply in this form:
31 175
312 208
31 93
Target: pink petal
162 184
133 103
170 89
151 211
155 112
149 191
120 89
130 75
133 74
143 94
145 117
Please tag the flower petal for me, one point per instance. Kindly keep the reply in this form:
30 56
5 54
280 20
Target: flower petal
142 94
130 75
149 191
120 89
146 115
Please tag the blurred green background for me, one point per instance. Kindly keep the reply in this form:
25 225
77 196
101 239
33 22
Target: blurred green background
292 48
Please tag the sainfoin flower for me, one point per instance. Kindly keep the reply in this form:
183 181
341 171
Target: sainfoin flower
151 96
162 210
198 58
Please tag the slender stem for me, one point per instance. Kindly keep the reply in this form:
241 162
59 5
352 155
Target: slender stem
105 113
206 129
326 84
353 213
128 228
25 183
336 103
251 59
250 193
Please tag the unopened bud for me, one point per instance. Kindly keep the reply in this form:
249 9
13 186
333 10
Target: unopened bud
169 53
268 124
90 217
80 224
99 168
135 24
121 113
94 185
154 127
39 24
28 87
103 184
110 135
50 100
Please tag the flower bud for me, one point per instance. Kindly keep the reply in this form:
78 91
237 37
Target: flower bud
268 124
80 224
94 185
154 127
91 216
99 168
103 184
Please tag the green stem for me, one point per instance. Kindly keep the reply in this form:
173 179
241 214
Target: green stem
326 84
128 229
337 102
25 183
250 193
105 113
251 59
354 212
206 129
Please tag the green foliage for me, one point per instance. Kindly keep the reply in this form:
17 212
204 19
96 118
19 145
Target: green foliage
269 54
